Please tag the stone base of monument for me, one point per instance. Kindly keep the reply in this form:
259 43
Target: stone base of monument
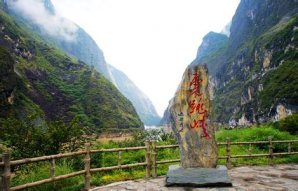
198 177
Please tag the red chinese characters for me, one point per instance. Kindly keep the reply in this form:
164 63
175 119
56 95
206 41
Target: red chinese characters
197 105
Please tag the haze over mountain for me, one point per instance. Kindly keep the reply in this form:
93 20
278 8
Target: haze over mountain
253 72
140 101
69 37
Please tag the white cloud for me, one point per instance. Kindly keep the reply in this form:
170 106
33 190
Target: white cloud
52 23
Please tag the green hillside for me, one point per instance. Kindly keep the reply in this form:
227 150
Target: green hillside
43 81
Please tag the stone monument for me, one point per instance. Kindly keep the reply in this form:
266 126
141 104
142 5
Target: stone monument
189 116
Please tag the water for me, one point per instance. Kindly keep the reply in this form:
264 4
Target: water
153 127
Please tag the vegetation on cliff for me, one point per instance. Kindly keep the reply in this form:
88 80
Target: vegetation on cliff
44 82
254 70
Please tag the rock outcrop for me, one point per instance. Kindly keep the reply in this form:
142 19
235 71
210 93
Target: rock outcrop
8 80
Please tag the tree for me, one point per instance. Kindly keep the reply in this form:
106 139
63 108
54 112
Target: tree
28 138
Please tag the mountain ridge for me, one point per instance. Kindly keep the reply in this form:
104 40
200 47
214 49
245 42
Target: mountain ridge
252 75
141 102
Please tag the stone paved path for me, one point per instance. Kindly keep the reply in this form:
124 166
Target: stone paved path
247 178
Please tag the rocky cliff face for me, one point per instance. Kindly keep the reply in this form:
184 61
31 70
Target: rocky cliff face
255 71
140 101
211 51
8 81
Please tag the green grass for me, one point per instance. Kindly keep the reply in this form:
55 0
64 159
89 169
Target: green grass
40 171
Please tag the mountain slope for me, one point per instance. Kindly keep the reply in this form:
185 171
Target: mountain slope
254 72
73 40
261 32
41 80
58 31
140 101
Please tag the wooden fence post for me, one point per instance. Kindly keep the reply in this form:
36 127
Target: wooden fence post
228 152
52 168
250 149
270 151
6 172
147 155
154 175
289 148
87 167
119 158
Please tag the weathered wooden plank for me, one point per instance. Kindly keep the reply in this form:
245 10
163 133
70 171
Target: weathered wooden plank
228 153
37 183
87 160
168 161
6 172
44 158
117 167
167 146
270 161
154 174
147 144
117 149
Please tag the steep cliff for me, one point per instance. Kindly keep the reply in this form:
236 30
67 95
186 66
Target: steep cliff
211 51
140 101
259 69
255 70
38 79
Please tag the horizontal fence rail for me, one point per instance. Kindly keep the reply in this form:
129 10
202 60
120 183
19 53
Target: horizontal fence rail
150 163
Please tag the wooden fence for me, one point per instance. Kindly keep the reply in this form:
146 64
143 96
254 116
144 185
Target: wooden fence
150 163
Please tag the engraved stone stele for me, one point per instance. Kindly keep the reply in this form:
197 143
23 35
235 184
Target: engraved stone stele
189 115
190 122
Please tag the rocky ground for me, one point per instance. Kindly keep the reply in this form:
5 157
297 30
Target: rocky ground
246 178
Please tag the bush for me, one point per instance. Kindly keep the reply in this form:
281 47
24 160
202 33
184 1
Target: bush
289 124
256 134
35 172
29 137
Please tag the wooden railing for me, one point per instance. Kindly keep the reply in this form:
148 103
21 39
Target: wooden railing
229 156
150 148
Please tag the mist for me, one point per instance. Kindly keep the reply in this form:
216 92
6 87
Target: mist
52 23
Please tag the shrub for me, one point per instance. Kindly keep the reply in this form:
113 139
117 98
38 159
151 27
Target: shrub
290 124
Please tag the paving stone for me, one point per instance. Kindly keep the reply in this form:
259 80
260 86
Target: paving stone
238 177
290 175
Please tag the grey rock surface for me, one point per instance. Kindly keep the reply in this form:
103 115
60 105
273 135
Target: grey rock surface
198 177
246 178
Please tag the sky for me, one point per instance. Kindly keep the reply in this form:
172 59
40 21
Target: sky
151 41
